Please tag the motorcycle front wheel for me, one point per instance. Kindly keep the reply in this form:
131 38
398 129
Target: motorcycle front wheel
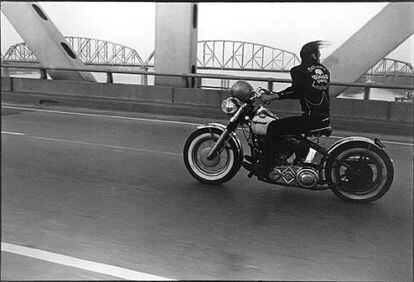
221 168
360 175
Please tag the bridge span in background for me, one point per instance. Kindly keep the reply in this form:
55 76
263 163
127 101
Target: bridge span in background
212 54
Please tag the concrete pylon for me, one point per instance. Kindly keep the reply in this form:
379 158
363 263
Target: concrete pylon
376 39
44 40
175 42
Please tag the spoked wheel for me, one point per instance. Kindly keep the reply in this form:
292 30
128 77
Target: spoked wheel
221 168
361 175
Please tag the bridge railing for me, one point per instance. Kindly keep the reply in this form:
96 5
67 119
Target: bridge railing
191 78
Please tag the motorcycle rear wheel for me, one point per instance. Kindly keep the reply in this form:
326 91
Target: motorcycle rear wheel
216 171
360 175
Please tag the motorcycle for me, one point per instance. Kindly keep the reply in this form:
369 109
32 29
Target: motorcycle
356 169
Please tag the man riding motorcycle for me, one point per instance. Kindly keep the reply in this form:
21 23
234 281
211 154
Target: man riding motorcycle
357 169
310 84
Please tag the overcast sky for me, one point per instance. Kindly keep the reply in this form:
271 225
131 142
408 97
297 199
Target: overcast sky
282 25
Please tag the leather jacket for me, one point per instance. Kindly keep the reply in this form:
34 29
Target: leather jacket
310 84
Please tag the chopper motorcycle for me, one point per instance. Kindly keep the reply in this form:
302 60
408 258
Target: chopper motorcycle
356 169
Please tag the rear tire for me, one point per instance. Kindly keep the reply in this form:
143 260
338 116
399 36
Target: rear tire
221 168
359 173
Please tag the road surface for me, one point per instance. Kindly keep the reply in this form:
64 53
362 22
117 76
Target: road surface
83 188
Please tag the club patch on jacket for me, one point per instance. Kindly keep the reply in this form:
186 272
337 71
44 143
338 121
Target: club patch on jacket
319 77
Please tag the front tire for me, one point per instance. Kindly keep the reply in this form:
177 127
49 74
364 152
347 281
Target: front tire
216 171
360 173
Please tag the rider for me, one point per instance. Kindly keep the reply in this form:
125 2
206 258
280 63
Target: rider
310 84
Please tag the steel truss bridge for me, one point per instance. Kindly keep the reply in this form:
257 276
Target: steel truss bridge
212 54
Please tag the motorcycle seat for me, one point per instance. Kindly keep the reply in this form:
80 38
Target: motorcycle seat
324 131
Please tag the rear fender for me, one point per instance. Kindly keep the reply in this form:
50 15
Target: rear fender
356 140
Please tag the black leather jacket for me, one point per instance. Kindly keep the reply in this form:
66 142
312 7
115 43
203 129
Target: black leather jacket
310 84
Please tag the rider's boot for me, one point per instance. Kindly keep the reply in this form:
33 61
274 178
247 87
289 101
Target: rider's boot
250 159
261 169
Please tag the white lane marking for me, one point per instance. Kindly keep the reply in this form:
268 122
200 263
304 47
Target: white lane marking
387 142
156 120
397 143
105 116
80 263
12 133
104 145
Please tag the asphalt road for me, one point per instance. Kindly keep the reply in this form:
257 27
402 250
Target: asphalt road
115 191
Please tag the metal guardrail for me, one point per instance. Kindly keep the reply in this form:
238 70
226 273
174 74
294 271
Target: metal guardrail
191 77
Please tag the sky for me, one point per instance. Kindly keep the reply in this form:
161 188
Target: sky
281 25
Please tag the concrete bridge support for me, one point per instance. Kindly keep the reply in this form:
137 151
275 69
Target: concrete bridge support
382 34
175 42
44 39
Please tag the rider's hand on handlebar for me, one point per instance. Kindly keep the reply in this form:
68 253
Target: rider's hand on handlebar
263 91
267 96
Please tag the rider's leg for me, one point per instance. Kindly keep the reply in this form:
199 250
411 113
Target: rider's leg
289 125
295 125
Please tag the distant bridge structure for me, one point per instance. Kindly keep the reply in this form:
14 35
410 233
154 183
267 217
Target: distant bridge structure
212 54
89 50
241 56
95 51
390 67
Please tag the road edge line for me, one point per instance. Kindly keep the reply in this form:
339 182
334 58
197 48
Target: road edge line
80 263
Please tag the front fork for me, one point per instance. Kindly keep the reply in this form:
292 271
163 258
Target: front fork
231 127
219 144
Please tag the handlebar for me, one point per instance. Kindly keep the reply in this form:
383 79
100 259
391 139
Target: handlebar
258 94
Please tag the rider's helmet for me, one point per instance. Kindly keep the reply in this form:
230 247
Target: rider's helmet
242 91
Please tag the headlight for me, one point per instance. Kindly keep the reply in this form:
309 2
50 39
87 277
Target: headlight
230 105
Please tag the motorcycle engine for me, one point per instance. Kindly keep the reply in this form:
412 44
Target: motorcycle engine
307 177
295 176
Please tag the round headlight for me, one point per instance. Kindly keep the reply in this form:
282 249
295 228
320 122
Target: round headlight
230 105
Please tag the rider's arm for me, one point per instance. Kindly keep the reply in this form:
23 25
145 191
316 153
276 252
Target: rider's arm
298 87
